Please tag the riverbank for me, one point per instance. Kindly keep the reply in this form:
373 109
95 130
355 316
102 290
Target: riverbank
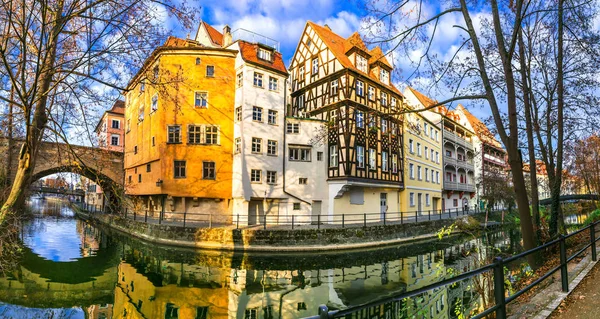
274 240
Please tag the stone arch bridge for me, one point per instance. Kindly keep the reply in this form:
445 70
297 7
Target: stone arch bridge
104 167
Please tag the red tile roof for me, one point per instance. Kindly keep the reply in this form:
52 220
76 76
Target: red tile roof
118 107
175 42
426 101
249 53
215 36
480 128
339 46
378 56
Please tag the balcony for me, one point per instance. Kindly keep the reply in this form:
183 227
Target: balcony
458 163
452 137
461 187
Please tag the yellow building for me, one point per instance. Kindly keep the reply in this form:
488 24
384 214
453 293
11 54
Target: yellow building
179 130
423 165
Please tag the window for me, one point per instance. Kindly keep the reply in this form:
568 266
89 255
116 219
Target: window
255 175
448 177
437 157
273 83
128 125
272 117
301 306
114 140
296 206
372 159
360 119
419 149
437 177
130 180
432 176
210 71
361 63
135 149
411 170
198 61
258 79
256 145
419 175
293 128
411 199
300 102
334 87
194 134
302 180
171 312
431 133
201 100
371 93
264 54
426 152
240 79
257 113
251 314
372 121
179 169
394 163
315 66
272 147
148 168
333 156
237 145
360 88
384 76
455 202
384 126
436 136
139 178
426 174
154 104
360 156
271 177
238 113
208 170
201 313
384 161
393 103
299 154
174 134
319 156
448 153
142 87
141 114
156 72
432 156
116 124
301 73
425 128
383 99
212 134
411 146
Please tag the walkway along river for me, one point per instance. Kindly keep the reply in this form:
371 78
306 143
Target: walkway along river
71 269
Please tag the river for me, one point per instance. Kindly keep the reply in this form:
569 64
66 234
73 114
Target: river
73 269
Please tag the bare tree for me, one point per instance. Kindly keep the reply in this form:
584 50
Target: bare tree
67 57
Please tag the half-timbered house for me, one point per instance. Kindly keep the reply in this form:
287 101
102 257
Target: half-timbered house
348 87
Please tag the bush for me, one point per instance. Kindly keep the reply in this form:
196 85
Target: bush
592 217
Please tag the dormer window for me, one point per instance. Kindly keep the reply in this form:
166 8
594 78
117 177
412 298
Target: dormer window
264 54
384 76
361 63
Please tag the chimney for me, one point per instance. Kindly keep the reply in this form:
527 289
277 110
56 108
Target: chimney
327 27
227 39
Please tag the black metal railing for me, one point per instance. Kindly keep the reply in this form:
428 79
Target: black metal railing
497 267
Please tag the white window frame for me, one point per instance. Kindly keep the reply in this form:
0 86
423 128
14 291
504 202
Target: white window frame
360 88
315 66
419 173
202 102
292 128
258 80
384 161
271 177
360 119
334 87
237 145
272 117
253 173
240 79
411 199
333 156
256 145
154 103
112 124
118 139
360 156
411 170
372 159
273 84
257 113
371 92
272 147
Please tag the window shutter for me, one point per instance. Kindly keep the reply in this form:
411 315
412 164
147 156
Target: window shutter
202 134
218 134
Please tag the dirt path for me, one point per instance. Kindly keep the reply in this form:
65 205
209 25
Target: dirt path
583 301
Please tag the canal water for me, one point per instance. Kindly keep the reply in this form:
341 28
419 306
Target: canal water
72 269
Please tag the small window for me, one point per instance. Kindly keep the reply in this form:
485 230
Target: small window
174 134
384 161
303 181
293 128
315 66
179 169
153 141
301 74
272 147
201 100
256 145
296 206
299 154
141 114
139 178
130 179
171 311
257 113
240 79
135 149
148 168
384 99
411 199
360 88
198 61
142 87
116 124
361 63
255 175
319 156
114 140
360 119
271 177
201 313
372 159
156 72
334 87
333 156
258 79
238 113
273 83
411 170
395 163
210 71
384 76
360 156
272 117
266 55
208 170
371 93
154 104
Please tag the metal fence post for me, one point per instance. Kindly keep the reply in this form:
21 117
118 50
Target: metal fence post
134 215
265 222
238 222
564 274
365 219
184 217
416 216
292 221
125 212
160 217
146 216
319 221
323 312
429 214
499 288
210 220
343 220
593 241
401 218
384 218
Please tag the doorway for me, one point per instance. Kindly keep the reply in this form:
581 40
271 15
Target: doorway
419 203
383 205
255 212
316 211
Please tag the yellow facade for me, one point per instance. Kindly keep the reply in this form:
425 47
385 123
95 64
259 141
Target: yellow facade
163 94
423 167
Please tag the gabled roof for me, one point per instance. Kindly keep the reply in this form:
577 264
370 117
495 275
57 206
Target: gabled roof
482 131
117 108
427 101
249 53
339 46
378 56
215 36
